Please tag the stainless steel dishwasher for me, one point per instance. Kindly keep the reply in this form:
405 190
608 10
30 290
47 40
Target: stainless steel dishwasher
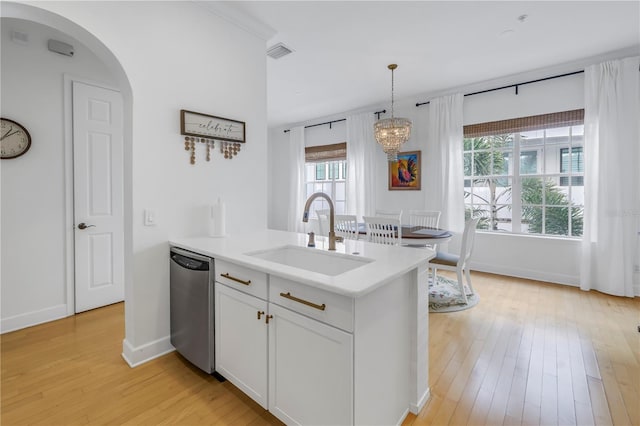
191 299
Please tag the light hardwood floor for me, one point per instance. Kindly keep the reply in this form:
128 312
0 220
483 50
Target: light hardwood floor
534 353
528 353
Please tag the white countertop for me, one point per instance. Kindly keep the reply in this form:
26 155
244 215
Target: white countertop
388 262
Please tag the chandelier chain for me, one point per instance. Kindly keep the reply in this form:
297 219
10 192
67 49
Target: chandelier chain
392 93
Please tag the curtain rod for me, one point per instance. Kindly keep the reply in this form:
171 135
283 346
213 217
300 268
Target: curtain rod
336 121
515 85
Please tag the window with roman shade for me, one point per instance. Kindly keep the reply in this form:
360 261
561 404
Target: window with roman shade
525 175
326 171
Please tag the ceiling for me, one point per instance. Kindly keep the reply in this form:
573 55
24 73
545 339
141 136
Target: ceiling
342 48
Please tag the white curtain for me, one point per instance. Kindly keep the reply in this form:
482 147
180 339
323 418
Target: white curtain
443 179
611 177
361 165
296 180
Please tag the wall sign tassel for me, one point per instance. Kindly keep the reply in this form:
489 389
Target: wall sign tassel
226 148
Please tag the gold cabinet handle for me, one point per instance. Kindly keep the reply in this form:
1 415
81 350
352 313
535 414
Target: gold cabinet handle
288 295
238 280
267 318
260 313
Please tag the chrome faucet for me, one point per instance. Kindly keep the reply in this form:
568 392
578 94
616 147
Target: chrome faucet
305 216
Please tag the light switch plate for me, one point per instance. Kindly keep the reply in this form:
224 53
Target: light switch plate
150 217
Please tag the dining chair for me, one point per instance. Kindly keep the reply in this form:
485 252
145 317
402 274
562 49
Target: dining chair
346 225
458 263
323 222
383 230
428 218
394 214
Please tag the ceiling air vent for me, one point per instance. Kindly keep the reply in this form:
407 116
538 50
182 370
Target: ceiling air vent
278 51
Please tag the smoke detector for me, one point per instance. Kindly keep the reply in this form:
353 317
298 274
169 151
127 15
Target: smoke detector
278 51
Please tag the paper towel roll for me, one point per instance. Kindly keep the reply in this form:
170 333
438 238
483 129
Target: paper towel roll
217 220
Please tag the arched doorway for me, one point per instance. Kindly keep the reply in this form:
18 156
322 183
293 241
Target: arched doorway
64 26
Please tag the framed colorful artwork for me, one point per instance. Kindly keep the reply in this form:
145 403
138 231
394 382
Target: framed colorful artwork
405 173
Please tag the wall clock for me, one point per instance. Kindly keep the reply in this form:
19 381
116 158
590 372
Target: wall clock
14 139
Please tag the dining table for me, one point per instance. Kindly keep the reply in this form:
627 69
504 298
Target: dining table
418 236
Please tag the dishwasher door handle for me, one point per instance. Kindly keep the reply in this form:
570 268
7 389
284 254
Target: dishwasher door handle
190 263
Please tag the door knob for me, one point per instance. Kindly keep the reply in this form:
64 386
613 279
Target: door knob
84 226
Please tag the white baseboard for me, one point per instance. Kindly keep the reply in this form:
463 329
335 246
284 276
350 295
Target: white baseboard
531 274
33 318
561 279
141 354
404 416
416 408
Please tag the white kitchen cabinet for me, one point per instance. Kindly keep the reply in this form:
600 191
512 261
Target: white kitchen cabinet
334 346
310 364
246 280
241 341
310 370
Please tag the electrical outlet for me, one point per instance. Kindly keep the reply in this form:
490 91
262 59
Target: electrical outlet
636 269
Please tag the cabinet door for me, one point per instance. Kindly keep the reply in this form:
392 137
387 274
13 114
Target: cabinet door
241 341
310 370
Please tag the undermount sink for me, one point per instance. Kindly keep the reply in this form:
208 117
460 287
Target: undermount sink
311 259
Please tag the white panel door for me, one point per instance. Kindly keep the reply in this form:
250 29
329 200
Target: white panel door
241 341
310 370
98 196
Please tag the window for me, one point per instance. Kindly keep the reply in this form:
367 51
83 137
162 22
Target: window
540 193
326 171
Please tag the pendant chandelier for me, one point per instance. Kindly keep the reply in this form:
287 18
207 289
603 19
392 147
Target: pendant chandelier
392 132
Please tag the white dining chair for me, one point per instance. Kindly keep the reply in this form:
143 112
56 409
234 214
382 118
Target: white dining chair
394 214
383 230
346 225
428 218
458 263
323 222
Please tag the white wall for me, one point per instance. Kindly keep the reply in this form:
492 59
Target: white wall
543 258
33 185
176 55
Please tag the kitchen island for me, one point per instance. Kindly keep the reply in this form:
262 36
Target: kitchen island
320 337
